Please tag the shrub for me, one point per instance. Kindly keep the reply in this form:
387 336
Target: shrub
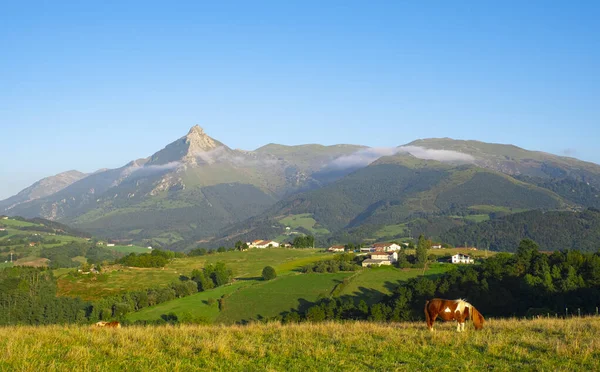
269 273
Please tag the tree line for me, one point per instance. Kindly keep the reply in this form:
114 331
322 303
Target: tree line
527 283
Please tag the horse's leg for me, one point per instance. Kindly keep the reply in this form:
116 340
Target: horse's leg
432 321
460 321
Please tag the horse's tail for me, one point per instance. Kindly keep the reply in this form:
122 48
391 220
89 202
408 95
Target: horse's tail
477 318
427 317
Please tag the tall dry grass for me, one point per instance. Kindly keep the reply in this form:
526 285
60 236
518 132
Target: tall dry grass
544 345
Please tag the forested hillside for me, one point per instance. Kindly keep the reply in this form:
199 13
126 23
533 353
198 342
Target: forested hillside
553 230
400 190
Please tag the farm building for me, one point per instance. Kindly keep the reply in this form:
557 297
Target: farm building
381 258
462 258
336 248
385 247
263 244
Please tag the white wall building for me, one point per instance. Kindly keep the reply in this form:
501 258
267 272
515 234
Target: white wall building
462 258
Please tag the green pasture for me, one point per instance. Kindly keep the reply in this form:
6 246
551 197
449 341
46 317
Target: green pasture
271 298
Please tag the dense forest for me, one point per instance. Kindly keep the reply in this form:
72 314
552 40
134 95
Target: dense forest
527 283
551 230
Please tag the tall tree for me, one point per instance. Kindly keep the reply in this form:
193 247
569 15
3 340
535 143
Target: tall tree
423 246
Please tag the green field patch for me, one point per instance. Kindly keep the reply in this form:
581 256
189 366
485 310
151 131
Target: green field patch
391 230
373 283
496 208
473 217
477 217
5 264
277 296
16 223
129 249
296 263
304 220
79 259
196 305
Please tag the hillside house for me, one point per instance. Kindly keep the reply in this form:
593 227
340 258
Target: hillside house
381 258
336 248
462 258
385 247
366 249
110 244
263 244
2 229
436 246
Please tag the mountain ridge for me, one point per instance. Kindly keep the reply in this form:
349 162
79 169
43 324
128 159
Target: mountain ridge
196 187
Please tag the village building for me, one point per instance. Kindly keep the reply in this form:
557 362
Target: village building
385 247
336 248
110 244
263 244
436 246
381 258
462 258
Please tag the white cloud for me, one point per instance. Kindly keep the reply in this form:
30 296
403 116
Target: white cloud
149 169
364 157
439 155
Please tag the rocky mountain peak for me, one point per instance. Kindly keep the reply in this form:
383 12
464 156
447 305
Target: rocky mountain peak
199 141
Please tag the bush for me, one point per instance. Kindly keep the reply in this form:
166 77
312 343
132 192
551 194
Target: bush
269 273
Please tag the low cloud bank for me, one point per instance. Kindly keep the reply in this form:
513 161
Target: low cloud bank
364 157
439 155
145 170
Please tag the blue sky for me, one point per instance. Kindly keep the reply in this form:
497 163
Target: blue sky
87 86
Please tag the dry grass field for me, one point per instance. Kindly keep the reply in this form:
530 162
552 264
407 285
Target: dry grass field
504 345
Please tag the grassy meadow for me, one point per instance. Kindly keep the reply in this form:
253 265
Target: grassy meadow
373 283
248 264
532 345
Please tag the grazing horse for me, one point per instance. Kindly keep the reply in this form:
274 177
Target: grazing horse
458 310
108 324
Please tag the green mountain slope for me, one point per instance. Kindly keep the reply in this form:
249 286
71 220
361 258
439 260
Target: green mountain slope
515 161
400 190
553 230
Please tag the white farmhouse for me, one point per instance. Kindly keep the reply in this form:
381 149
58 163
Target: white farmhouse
381 258
336 248
462 258
263 244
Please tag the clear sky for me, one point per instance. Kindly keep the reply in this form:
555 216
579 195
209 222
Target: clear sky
97 85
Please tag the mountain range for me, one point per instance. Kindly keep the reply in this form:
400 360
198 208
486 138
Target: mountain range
198 190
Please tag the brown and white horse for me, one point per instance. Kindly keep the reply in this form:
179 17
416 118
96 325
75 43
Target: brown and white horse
458 310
